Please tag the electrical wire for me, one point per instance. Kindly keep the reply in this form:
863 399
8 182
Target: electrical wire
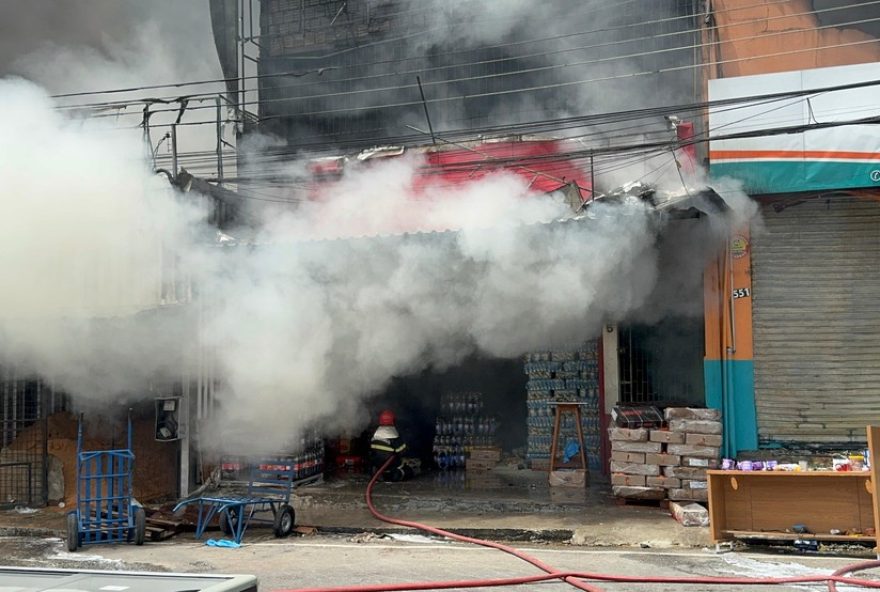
468 130
538 69
467 165
653 36
594 120
549 67
214 122
617 164
610 6
559 85
298 73
520 72
358 66
598 119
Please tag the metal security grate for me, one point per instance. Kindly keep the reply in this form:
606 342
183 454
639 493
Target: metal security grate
23 441
635 373
662 363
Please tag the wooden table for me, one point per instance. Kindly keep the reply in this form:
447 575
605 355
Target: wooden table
766 504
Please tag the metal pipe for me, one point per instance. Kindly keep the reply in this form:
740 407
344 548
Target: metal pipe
338 12
183 428
219 141
241 73
730 295
174 170
43 399
4 389
425 106
14 406
592 177
211 384
147 139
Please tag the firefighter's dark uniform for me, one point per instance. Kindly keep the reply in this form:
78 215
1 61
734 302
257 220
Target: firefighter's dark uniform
387 442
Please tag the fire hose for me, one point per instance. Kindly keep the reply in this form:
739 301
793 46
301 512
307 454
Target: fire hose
580 580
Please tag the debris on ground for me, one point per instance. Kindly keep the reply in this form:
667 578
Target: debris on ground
689 514
160 528
414 538
367 537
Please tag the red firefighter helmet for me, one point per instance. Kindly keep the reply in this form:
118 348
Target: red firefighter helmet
386 418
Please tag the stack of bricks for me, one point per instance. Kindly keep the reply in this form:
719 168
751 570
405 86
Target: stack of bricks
656 464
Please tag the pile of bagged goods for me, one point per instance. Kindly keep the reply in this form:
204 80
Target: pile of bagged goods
667 456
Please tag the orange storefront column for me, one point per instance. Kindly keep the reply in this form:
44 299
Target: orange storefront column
729 360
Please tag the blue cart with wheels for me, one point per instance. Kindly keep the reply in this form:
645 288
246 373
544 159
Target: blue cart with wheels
104 510
268 492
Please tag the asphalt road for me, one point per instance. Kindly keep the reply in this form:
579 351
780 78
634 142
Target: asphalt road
319 560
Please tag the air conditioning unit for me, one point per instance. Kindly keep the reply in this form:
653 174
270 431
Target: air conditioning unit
23 579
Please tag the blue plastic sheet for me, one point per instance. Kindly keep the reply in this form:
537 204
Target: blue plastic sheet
222 543
571 449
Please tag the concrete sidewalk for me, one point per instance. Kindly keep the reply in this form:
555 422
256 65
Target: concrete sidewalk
513 505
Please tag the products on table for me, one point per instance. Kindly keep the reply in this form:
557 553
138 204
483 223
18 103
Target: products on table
851 462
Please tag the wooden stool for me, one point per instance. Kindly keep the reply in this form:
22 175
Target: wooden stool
575 409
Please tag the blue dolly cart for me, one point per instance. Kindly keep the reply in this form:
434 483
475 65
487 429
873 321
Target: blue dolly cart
104 510
268 490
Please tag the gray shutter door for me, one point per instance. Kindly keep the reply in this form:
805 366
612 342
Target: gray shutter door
816 299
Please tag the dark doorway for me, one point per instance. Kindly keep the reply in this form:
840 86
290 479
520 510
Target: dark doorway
416 400
662 363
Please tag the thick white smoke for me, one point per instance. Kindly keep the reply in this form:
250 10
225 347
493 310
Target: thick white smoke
85 232
308 323
303 329
112 283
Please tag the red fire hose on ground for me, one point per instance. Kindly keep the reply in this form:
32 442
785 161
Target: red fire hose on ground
580 580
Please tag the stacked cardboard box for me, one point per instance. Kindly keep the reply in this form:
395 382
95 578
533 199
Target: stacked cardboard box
484 458
668 463
635 459
479 470
697 437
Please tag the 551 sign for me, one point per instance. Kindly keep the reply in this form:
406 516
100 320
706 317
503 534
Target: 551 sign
741 293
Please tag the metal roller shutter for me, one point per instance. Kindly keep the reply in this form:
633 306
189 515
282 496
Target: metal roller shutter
816 299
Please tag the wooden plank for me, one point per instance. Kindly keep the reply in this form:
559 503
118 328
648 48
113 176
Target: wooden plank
790 536
159 534
855 475
717 510
164 523
873 433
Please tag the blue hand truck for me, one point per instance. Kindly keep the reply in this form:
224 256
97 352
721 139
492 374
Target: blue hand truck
104 510
268 490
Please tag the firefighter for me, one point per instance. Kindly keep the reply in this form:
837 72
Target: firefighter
386 443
